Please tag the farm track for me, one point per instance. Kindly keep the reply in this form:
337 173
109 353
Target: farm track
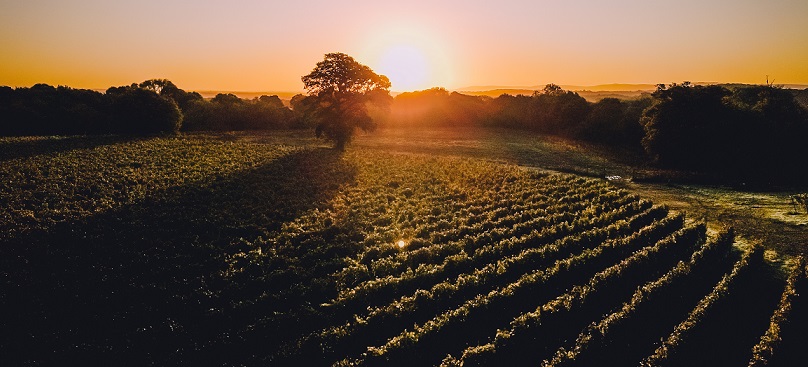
194 250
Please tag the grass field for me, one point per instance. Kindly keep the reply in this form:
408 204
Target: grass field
426 249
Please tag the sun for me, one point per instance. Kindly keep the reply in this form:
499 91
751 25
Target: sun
413 56
406 66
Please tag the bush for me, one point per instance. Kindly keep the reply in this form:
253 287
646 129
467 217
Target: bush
142 111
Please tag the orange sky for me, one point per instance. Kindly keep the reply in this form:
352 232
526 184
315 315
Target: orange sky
268 45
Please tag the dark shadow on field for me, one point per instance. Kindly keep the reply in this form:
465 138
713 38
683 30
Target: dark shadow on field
15 148
143 285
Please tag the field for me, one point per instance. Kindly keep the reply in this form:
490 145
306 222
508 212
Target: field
407 250
759 215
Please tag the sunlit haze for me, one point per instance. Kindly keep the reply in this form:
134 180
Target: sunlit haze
406 66
269 45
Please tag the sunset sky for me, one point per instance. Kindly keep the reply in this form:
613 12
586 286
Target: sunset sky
268 45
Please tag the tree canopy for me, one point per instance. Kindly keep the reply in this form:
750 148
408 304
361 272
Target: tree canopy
341 88
339 73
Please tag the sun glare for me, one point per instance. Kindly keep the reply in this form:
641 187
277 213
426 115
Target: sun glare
412 56
406 66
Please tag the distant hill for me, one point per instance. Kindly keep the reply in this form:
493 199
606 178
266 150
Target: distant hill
594 93
614 87
589 95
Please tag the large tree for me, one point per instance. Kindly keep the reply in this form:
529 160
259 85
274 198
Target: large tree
341 89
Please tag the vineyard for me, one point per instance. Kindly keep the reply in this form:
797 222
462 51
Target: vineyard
207 250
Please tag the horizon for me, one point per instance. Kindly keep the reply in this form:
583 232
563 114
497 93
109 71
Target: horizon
490 90
619 87
254 46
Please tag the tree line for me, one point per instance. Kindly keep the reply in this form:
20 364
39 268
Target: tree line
551 110
743 132
152 107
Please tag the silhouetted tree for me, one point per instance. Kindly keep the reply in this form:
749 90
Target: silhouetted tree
751 132
137 110
341 87
801 96
271 101
46 110
557 111
684 124
153 106
165 88
159 86
512 112
228 112
612 121
303 107
427 108
226 98
775 128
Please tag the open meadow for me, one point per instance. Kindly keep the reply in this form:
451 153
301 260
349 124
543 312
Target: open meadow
474 248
